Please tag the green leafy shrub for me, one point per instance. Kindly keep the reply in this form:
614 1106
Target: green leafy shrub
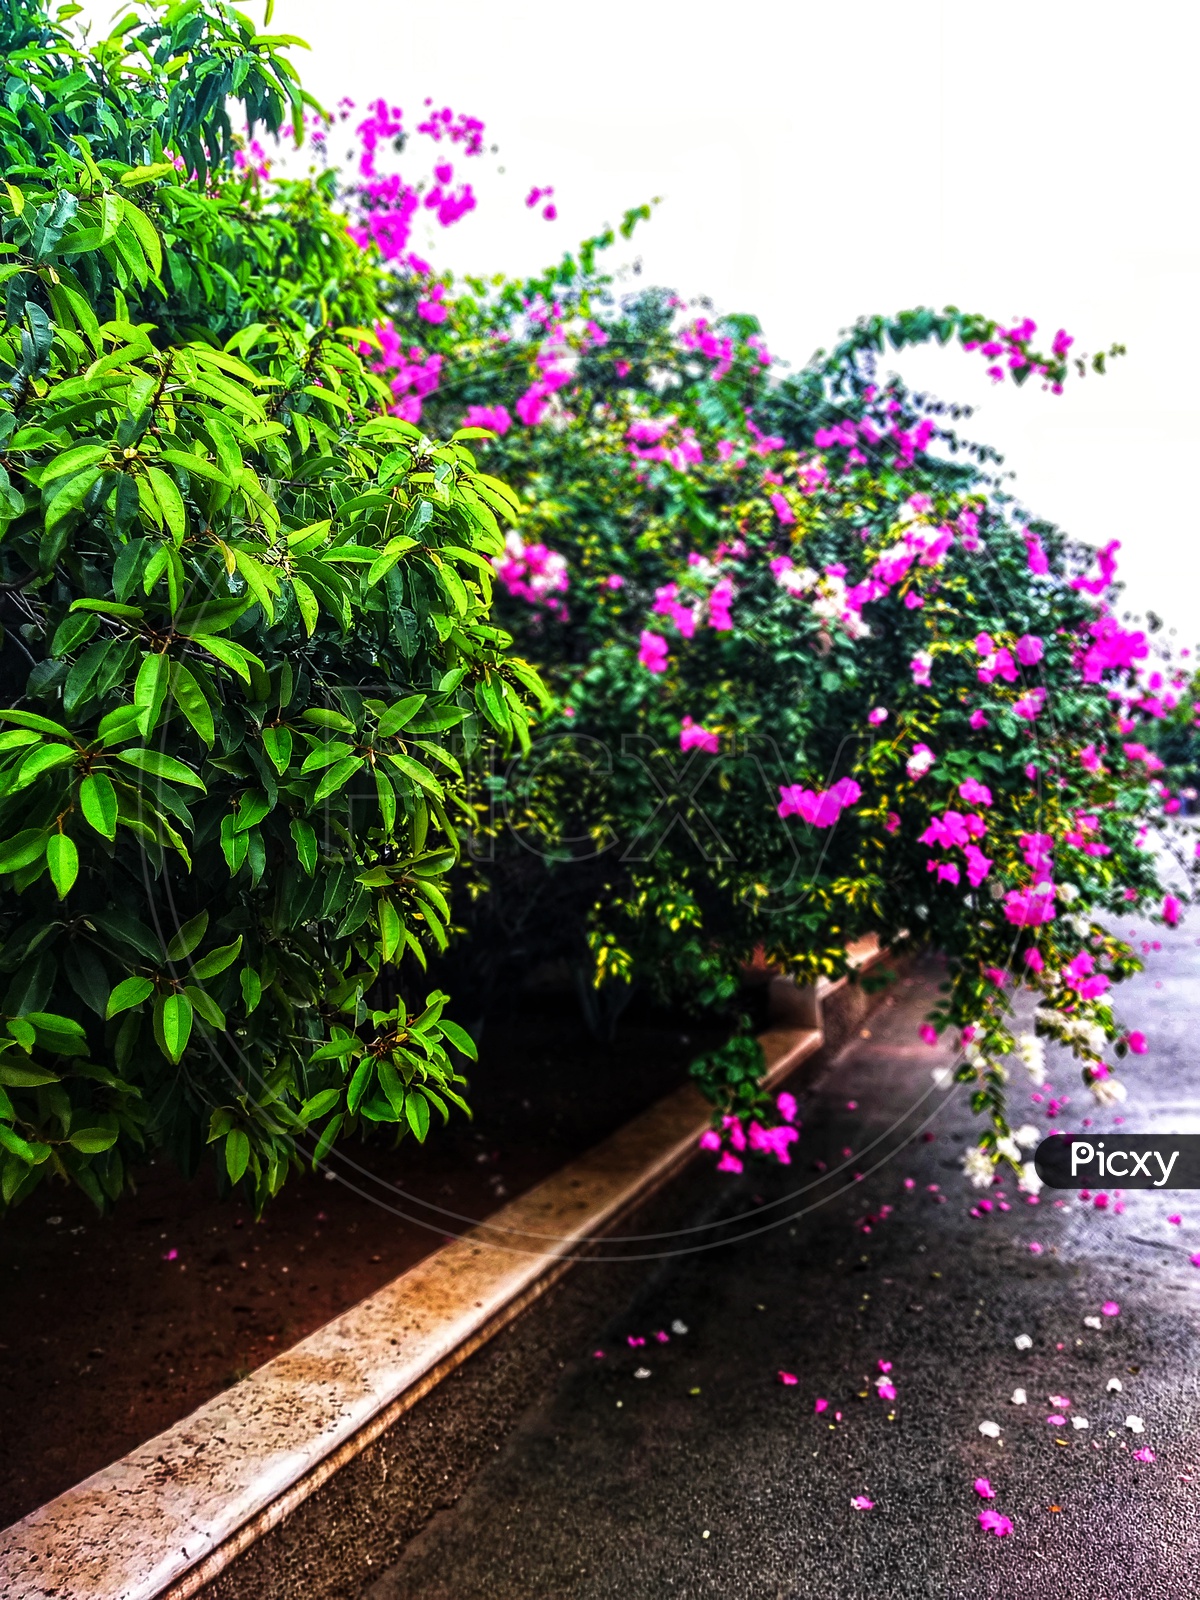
245 611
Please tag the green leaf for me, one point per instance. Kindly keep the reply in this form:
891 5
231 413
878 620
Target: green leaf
188 937
91 1141
306 604
15 1077
129 992
337 776
191 700
328 1134
62 857
158 765
15 1145
305 839
251 989
217 960
277 742
416 1109
173 1024
43 758
237 1154
400 715
459 1038
150 691
319 1104
418 774
30 719
23 849
205 1006
98 802
170 503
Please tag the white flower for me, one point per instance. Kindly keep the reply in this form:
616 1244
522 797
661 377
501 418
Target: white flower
990 1430
1019 1397
1080 1422
1135 1424
855 626
942 1076
1030 1180
678 1327
977 1166
1009 1149
1114 1386
1108 1091
1027 1136
1023 1342
1092 1322
1032 1051
642 1372
1068 893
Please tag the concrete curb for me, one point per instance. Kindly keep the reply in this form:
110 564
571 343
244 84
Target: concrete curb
164 1521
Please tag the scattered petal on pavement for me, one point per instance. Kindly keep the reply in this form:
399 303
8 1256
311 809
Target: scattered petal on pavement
994 1522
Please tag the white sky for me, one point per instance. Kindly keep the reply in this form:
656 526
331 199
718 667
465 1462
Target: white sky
819 161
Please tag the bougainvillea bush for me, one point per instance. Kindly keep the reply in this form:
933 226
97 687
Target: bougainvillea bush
243 607
818 673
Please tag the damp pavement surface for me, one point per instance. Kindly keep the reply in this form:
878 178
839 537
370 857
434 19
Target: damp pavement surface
711 1477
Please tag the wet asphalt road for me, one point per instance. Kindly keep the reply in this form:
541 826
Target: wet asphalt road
711 1478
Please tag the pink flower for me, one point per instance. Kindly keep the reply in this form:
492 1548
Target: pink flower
978 865
928 1032
978 720
614 581
821 810
1056 1420
729 1163
1175 1219
171 1255
984 1489
694 737
820 1405
892 822
785 1104
1027 908
886 1388
788 1379
652 652
1030 650
975 793
494 417
1144 1454
1035 1249
1110 1308
1029 705
877 716
781 508
1195 1259
1171 908
861 1503
993 1522
1034 960
710 1139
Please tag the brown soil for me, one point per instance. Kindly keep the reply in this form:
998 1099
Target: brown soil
113 1328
